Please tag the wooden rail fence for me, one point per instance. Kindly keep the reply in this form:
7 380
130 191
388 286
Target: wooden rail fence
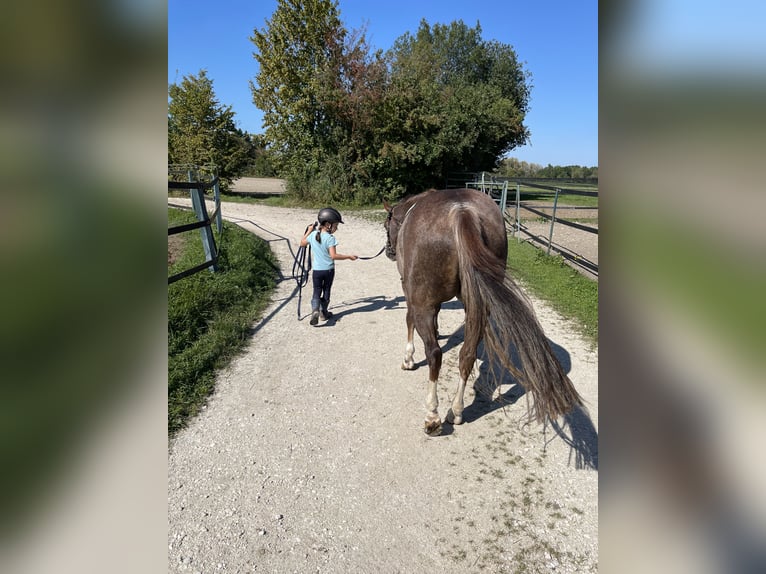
204 223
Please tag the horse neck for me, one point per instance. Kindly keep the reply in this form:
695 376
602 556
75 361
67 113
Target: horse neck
404 206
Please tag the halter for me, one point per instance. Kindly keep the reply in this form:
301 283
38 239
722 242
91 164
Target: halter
390 250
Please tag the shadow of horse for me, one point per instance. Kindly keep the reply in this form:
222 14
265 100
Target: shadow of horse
495 388
452 340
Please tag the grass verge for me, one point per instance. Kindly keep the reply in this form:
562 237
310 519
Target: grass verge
551 279
210 314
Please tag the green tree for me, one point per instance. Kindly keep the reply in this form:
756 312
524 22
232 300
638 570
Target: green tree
455 103
294 47
201 131
513 167
319 87
261 163
346 124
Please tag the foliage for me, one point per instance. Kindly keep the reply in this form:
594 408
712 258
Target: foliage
457 103
347 124
568 172
261 161
202 132
210 314
297 43
513 167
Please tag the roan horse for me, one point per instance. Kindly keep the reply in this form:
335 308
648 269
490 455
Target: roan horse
453 243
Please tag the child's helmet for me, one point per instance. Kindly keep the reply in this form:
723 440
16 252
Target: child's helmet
329 215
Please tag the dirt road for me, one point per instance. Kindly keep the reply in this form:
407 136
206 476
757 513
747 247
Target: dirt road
311 457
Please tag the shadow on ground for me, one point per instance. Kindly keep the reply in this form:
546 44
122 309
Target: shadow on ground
496 388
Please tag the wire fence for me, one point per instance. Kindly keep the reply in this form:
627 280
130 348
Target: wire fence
513 197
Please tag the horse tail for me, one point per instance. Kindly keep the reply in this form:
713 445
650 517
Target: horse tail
493 300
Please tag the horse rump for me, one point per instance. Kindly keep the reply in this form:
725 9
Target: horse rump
494 300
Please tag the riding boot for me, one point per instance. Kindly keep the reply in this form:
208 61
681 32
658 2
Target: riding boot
326 315
314 312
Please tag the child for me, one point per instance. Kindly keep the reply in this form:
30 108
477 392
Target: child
323 258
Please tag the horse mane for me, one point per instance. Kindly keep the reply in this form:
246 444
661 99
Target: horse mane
408 200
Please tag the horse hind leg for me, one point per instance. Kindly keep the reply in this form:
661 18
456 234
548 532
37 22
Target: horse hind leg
466 361
409 350
424 323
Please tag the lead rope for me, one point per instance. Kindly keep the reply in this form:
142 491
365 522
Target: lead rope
303 269
300 265
382 249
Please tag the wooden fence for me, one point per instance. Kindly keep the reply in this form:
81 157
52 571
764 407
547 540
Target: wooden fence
204 222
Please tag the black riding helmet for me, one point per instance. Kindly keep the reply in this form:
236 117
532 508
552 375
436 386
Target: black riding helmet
329 215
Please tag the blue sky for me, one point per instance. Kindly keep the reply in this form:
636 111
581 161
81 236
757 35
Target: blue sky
557 40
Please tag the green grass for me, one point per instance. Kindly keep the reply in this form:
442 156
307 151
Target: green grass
210 314
546 197
551 279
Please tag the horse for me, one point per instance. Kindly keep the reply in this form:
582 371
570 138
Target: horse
453 243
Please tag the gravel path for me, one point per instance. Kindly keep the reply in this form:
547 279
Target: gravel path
310 456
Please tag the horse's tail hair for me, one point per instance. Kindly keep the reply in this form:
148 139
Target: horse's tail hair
493 300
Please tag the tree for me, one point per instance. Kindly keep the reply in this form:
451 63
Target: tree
514 168
295 46
346 124
260 162
201 131
456 102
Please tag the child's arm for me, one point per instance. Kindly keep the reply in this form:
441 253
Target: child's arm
338 256
305 240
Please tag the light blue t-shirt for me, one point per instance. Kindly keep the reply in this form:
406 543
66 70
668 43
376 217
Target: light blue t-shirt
320 250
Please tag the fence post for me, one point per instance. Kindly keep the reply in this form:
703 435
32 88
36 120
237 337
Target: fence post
217 196
517 227
198 201
553 220
504 197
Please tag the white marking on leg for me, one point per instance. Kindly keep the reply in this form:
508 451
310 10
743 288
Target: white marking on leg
455 414
432 407
409 351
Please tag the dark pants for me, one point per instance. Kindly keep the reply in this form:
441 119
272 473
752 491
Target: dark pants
322 280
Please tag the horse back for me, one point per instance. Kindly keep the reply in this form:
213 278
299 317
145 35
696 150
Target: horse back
429 241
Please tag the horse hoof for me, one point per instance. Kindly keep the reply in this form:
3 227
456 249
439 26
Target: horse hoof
433 428
454 419
408 366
